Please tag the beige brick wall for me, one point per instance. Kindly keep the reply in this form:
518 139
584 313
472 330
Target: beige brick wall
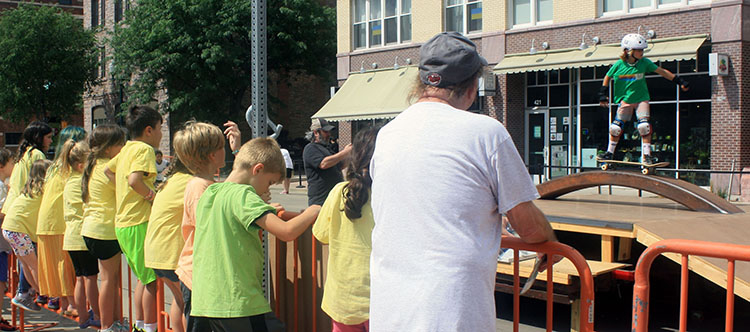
343 26
426 20
573 10
494 17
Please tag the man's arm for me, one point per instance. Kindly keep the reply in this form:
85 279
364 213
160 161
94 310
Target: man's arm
334 159
530 223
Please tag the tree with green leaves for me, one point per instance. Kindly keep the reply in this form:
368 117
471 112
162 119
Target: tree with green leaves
47 59
199 51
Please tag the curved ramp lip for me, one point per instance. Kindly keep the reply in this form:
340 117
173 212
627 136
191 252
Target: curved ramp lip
679 191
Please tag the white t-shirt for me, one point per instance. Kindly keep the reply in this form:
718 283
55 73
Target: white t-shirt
160 168
287 158
441 179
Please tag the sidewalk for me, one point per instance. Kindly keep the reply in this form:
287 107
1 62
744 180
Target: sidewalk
44 317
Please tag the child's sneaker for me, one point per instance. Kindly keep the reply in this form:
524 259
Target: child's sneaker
54 303
6 326
90 321
26 302
41 299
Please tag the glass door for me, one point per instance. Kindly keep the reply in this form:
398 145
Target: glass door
536 141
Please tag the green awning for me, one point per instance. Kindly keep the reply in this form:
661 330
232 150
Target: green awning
377 94
667 49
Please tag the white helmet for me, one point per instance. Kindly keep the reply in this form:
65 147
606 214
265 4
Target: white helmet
634 41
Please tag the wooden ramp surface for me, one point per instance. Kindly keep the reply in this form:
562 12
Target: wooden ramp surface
733 229
562 270
650 219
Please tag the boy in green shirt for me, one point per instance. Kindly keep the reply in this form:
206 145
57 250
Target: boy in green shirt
631 92
133 172
228 254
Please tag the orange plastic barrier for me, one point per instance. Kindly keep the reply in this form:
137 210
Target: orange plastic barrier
730 252
554 248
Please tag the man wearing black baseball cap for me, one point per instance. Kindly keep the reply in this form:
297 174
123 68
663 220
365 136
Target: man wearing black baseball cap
321 164
442 178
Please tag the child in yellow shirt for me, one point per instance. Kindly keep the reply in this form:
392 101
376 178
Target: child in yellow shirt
98 229
345 223
37 138
73 156
163 240
133 171
56 277
19 226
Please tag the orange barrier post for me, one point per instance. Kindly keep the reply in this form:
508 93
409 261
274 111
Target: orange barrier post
161 326
730 252
550 249
315 284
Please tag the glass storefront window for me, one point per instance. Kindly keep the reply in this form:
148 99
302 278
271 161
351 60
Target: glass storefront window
700 87
559 95
695 141
660 89
587 73
536 96
594 128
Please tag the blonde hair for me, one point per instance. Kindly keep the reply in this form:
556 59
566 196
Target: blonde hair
37 173
261 150
195 142
626 54
73 153
102 138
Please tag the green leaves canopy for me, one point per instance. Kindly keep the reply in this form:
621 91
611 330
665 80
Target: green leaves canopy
46 61
199 51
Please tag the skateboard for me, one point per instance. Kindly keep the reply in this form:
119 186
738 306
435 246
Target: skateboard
646 169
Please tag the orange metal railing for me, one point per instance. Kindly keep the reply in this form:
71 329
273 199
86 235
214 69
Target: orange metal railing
730 252
586 317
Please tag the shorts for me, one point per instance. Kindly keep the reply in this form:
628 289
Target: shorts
85 264
194 324
361 327
255 323
131 241
20 242
102 249
3 266
288 173
167 274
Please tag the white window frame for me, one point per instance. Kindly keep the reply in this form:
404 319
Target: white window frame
654 5
465 18
382 19
533 21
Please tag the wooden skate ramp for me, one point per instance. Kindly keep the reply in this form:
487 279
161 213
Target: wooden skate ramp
689 195
731 229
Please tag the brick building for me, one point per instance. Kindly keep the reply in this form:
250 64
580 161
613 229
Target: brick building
11 133
546 96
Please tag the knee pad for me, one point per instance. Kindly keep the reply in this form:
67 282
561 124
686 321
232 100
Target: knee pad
615 129
644 128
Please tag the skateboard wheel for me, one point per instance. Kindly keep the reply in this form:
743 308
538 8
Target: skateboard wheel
646 171
604 167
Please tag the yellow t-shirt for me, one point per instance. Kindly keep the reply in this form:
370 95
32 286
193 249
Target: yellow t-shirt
347 290
51 221
22 215
132 208
164 241
73 203
99 212
20 174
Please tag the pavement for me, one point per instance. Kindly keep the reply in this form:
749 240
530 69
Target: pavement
36 319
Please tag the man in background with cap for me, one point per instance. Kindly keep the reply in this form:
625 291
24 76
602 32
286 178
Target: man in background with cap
442 178
321 164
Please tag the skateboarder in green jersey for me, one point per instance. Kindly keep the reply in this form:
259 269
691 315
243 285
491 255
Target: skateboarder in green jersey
630 91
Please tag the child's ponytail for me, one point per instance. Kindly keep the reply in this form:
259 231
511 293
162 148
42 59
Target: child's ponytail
357 192
35 183
72 153
101 139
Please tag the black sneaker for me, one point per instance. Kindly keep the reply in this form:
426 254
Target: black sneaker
605 156
649 160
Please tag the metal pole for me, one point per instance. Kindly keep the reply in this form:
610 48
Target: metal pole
260 89
731 177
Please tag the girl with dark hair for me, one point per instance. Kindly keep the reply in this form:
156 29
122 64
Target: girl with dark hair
345 222
37 138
